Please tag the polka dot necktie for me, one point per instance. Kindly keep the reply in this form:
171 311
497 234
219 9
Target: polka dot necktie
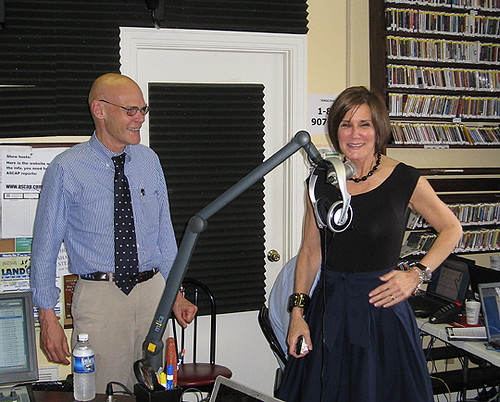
126 265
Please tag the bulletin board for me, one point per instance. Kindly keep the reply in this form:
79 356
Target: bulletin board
22 167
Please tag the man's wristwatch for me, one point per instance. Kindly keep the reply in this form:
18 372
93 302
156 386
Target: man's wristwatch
424 273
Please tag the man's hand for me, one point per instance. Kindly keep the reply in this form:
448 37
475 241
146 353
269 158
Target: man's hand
184 310
53 340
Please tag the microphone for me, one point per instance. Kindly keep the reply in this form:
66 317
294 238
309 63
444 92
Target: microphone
315 157
331 173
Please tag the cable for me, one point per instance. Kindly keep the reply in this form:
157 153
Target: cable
195 391
109 390
446 385
428 358
154 20
487 396
323 314
323 337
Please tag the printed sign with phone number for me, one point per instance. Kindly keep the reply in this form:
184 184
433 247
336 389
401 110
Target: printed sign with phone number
318 109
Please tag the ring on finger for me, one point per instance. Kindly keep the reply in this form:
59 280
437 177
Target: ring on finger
393 297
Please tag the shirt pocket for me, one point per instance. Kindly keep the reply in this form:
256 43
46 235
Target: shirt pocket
148 211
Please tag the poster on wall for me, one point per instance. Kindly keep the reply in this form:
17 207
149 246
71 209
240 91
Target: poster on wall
22 170
21 173
318 107
15 274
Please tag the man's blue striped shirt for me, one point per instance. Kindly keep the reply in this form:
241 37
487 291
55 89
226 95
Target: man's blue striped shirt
76 206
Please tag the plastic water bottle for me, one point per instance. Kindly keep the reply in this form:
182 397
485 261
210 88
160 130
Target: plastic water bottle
83 370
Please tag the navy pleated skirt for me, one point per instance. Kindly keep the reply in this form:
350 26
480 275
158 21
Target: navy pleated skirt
370 354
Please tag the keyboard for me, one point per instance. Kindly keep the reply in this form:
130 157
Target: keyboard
424 306
18 393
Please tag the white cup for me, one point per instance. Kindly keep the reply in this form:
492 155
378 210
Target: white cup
495 262
472 308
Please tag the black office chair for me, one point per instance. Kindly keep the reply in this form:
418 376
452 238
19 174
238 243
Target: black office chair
195 374
267 330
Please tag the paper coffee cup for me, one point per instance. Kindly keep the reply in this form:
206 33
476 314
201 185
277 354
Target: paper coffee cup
472 308
495 262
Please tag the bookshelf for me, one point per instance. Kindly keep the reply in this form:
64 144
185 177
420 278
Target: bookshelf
473 196
438 64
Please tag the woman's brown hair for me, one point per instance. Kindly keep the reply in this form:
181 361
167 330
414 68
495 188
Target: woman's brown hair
354 97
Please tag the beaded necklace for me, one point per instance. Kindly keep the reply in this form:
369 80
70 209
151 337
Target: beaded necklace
370 173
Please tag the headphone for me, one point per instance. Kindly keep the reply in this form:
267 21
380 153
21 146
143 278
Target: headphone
336 216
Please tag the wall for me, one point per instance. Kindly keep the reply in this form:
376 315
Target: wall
326 47
338 47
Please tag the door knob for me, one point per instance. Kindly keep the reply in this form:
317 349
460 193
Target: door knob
273 256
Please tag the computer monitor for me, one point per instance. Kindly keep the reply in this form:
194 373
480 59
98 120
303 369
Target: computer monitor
490 302
18 361
479 274
451 279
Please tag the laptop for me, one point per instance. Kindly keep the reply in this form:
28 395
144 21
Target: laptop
489 294
449 285
479 275
226 390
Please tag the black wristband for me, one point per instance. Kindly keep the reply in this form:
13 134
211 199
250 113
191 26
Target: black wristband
421 266
299 300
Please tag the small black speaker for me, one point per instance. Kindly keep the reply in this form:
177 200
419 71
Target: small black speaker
2 14
152 4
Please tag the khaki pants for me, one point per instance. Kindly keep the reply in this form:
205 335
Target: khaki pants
117 325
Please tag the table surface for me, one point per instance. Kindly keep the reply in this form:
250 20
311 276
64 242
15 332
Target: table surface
477 348
55 396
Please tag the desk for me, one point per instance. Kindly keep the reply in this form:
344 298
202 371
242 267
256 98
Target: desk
475 348
56 396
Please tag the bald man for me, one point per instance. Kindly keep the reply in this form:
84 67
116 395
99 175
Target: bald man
76 206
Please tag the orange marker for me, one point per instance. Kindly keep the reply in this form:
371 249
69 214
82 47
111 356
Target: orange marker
172 358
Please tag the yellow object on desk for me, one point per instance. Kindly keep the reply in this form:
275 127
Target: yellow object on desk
162 379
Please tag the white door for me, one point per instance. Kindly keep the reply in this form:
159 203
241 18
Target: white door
278 62
275 60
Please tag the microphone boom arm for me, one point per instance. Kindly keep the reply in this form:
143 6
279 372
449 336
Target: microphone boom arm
153 344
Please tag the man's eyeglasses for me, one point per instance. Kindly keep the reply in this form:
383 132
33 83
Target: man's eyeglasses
132 110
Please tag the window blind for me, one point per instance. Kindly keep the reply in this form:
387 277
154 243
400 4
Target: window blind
208 136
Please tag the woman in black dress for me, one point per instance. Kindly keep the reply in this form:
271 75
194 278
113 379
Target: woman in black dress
361 335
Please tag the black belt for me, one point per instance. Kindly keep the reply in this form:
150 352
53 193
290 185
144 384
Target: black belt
109 276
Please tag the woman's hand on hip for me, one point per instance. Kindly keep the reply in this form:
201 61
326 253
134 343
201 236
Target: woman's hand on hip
398 286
